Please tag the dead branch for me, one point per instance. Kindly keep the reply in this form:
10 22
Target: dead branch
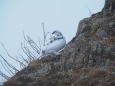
33 45
11 71
21 65
5 68
4 75
21 57
11 56
89 11
11 66
48 33
40 42
25 52
44 33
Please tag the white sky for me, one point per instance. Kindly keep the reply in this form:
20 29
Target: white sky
17 16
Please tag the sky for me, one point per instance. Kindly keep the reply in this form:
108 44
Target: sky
17 16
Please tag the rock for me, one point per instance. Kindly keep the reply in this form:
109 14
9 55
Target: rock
83 26
53 83
102 34
109 5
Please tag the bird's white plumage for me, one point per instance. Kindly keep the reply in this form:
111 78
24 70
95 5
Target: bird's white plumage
57 42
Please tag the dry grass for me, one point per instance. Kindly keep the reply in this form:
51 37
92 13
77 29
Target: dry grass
34 63
87 76
12 82
109 41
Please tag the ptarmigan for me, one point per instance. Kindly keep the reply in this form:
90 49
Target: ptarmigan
56 44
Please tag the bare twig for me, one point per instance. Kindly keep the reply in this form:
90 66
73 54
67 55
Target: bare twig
11 56
5 67
21 65
33 45
40 42
4 75
11 71
44 33
11 66
89 11
21 57
26 52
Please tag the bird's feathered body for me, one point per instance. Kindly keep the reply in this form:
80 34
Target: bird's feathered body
56 44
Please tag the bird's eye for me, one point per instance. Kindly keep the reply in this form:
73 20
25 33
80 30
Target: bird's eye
58 35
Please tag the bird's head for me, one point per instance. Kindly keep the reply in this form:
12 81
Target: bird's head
58 33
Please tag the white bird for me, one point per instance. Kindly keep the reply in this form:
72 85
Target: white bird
56 44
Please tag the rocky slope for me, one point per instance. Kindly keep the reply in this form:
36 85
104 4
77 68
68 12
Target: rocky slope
87 60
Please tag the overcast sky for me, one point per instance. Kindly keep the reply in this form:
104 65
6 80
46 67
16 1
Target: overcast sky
17 16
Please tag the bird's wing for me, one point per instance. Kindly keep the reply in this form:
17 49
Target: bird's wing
56 45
